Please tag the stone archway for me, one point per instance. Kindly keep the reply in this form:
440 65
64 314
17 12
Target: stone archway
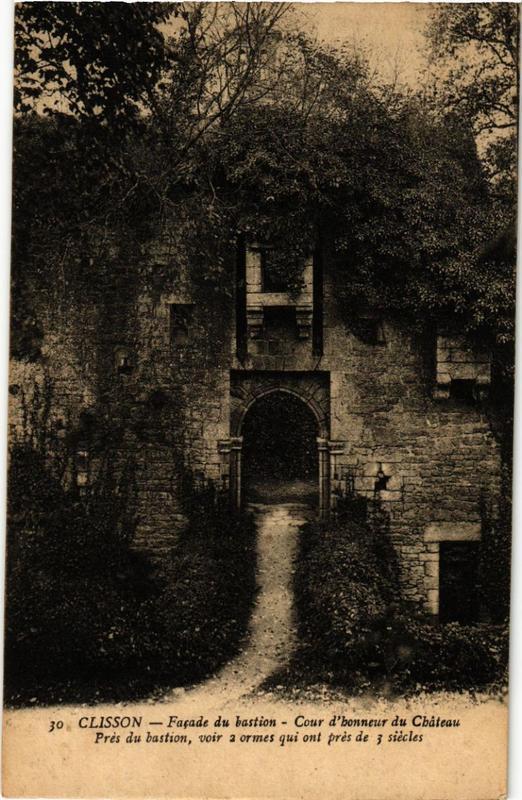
279 452
311 389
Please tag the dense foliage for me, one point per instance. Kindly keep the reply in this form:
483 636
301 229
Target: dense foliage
357 633
255 128
452 657
88 618
475 52
89 59
474 66
77 597
221 120
203 611
342 618
495 557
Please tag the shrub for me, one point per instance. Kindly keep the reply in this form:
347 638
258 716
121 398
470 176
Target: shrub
209 588
344 595
451 657
358 633
76 593
495 560
87 618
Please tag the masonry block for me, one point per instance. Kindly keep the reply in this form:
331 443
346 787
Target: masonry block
441 459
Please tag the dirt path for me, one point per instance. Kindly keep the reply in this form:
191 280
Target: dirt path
272 635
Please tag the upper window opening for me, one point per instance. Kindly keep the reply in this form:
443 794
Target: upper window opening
370 331
272 280
180 323
124 361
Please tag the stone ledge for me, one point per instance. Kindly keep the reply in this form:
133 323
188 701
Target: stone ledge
452 532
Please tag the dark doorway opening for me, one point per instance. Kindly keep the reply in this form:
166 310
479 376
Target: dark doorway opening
280 456
458 571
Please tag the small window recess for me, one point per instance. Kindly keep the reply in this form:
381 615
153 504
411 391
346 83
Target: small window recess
82 469
381 481
463 391
180 323
123 361
370 330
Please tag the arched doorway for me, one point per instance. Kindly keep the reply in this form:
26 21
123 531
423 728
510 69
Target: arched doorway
280 450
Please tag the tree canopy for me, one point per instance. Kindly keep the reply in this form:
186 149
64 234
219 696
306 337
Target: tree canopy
475 48
91 59
246 124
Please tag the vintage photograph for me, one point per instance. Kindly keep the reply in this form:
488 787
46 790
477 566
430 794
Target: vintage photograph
261 381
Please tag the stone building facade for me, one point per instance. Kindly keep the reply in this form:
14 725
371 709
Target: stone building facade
399 417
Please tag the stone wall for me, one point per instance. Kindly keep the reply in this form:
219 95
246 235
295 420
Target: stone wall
111 353
439 459
161 364
68 362
428 459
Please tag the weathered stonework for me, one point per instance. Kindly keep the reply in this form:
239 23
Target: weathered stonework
457 360
259 299
172 361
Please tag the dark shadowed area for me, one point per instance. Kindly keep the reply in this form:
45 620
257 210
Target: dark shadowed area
280 450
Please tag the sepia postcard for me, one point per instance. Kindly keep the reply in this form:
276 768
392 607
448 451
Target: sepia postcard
260 433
